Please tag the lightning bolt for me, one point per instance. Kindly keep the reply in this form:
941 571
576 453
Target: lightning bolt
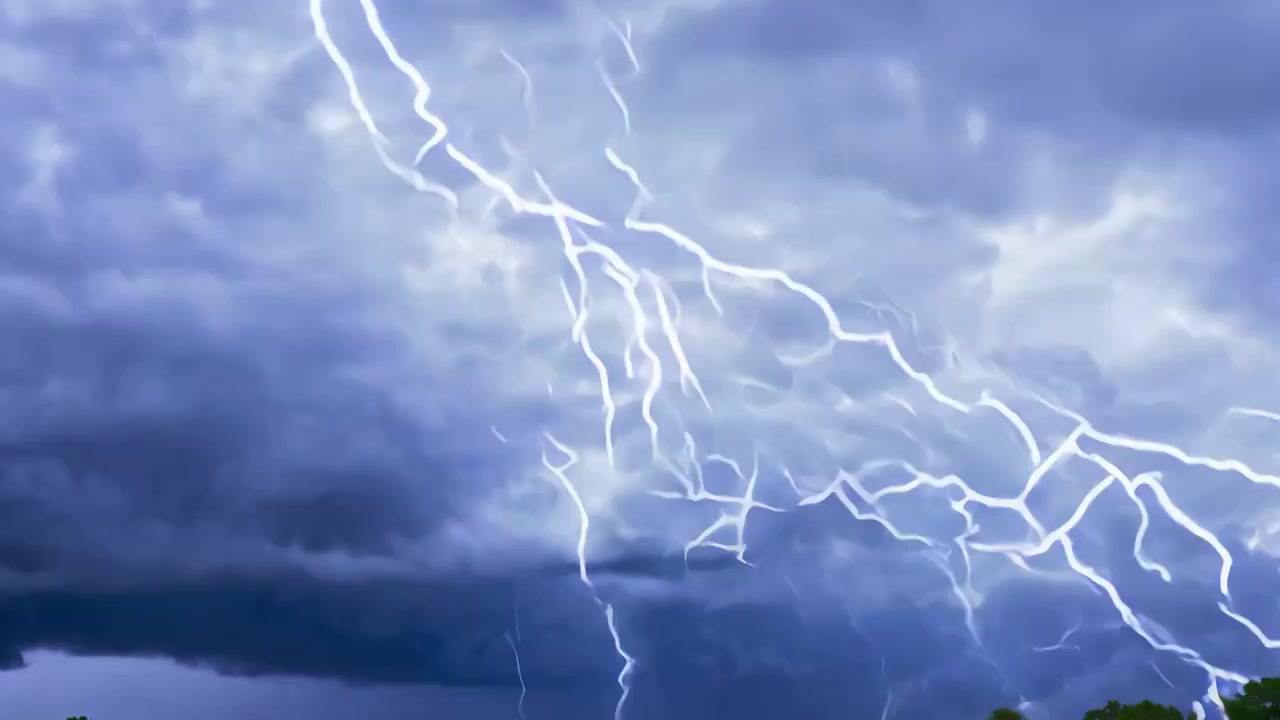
888 695
629 663
1156 668
1256 412
526 88
1062 641
515 651
584 526
575 229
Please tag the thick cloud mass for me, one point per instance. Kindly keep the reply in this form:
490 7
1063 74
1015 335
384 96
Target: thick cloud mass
274 413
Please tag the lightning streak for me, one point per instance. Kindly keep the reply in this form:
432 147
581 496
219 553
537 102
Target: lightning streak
628 284
1062 641
575 243
584 526
526 87
629 663
617 98
524 690
623 34
380 141
1255 412
1162 677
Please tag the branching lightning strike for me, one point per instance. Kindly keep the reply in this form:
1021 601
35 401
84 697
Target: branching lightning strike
572 230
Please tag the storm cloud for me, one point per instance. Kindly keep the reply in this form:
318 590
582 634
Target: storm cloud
273 414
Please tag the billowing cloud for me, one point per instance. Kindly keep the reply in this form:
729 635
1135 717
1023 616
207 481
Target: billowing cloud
280 398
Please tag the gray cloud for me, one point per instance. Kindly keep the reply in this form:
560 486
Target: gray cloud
266 411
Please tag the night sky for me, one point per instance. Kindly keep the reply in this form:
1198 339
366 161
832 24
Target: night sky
678 359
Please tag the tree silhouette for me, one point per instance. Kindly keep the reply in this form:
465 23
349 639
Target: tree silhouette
1006 714
1145 710
1258 700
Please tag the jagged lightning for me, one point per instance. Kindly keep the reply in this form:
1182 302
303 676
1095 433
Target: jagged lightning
526 88
558 212
640 285
628 664
524 690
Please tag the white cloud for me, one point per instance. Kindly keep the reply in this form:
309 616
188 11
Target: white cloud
975 127
48 155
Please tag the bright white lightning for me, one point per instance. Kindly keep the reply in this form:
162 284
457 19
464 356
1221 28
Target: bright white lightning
643 196
380 142
617 98
624 36
584 520
735 521
628 280
628 666
1023 430
1269 643
688 379
1255 412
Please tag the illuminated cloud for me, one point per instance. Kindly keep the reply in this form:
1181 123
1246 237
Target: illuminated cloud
268 383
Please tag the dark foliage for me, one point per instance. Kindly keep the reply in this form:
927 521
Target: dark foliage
1258 700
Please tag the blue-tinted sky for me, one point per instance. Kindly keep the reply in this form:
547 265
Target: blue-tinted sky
299 421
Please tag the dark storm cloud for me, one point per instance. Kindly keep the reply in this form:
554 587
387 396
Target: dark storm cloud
133 416
173 402
11 659
195 464
288 624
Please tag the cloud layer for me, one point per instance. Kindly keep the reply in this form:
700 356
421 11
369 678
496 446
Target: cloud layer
270 405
